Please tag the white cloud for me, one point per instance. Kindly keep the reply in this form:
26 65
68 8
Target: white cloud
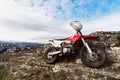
21 21
106 23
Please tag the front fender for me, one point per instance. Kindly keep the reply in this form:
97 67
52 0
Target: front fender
88 37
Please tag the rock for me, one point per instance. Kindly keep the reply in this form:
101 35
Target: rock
78 60
77 78
108 38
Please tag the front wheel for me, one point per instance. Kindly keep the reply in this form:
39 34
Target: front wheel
98 59
50 59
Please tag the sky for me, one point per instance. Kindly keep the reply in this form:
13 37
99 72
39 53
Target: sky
41 20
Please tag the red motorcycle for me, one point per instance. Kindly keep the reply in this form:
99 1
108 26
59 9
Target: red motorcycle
91 52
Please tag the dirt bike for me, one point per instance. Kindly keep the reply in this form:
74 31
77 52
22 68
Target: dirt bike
91 52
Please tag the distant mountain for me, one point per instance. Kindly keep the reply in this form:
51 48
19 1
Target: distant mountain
14 46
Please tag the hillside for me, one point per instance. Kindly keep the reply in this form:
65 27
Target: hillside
30 65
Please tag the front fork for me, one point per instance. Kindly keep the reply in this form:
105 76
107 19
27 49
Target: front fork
86 44
88 48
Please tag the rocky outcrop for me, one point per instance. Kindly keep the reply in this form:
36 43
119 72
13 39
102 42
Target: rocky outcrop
108 38
30 65
111 41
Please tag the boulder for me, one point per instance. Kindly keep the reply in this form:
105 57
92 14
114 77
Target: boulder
110 39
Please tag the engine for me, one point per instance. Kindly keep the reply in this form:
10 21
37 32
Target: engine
67 48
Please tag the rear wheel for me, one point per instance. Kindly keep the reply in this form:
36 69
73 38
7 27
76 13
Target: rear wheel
50 59
99 56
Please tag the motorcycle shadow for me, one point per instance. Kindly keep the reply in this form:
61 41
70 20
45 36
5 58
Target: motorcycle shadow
109 63
68 58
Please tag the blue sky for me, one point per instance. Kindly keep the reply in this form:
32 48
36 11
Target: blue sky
79 9
40 20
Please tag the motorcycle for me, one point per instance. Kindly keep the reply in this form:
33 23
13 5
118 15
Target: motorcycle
91 52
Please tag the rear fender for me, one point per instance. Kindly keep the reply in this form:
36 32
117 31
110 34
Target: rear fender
55 43
88 37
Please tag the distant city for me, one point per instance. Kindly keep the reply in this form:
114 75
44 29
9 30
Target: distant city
10 47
